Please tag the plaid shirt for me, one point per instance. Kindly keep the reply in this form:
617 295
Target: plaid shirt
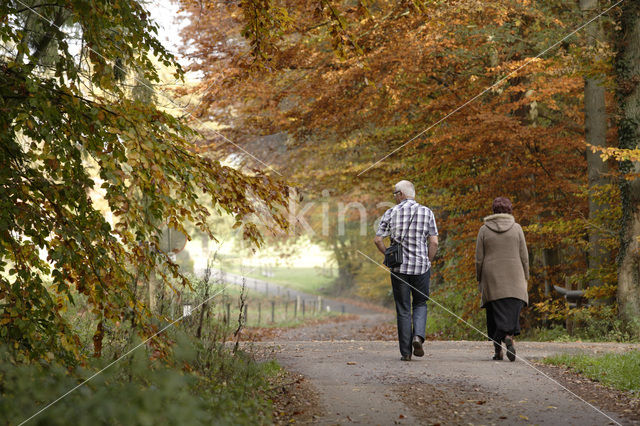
394 224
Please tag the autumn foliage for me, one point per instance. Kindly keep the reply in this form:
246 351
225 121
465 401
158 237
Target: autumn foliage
472 99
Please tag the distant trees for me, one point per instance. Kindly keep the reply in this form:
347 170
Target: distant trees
352 82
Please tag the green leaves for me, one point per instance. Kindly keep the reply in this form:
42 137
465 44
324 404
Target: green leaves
77 147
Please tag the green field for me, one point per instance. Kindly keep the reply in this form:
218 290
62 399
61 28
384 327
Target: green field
308 280
262 310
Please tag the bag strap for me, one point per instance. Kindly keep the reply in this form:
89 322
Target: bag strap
408 226
410 221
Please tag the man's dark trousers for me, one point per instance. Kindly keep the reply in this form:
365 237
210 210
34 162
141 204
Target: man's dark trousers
411 322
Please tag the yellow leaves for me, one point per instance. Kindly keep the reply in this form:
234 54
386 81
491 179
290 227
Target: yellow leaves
552 309
157 171
67 344
134 156
618 154
601 292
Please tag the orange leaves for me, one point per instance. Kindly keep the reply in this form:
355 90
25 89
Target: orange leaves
523 138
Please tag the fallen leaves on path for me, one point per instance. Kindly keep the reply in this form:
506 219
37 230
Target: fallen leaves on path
294 399
262 334
364 305
452 404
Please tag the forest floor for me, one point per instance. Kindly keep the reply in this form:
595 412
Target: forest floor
349 371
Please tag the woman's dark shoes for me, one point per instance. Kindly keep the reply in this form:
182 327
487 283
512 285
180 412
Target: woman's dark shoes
417 346
511 350
498 356
406 358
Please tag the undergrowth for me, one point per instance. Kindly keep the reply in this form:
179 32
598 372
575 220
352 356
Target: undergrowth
203 382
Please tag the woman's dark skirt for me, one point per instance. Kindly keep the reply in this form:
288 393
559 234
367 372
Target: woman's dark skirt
503 317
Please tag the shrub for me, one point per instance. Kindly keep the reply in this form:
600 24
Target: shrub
203 383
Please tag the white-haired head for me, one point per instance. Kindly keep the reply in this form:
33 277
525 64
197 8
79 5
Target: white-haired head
407 189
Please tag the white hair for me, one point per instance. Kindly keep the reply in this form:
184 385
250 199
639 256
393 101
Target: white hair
406 188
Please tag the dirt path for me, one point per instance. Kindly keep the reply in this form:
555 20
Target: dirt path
361 328
363 381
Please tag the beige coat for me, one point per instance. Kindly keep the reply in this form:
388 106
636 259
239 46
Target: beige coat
502 261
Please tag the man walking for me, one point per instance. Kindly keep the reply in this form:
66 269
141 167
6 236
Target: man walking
413 226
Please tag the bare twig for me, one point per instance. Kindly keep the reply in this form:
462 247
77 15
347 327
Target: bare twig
241 317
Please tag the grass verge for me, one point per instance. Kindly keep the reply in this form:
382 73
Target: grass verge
620 371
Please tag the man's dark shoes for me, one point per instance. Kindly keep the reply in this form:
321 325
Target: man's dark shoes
511 350
417 346
406 358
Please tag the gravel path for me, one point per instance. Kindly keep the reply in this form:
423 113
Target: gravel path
363 381
357 329
359 378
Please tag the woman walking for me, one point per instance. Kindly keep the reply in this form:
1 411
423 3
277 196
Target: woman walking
502 271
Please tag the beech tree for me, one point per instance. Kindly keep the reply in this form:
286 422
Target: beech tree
628 96
69 127
595 131
349 83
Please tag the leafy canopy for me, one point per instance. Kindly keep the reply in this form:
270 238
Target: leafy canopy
71 127
347 83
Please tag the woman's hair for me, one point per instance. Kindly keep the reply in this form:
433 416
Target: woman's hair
502 205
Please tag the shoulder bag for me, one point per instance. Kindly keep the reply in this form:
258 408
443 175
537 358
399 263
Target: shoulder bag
393 254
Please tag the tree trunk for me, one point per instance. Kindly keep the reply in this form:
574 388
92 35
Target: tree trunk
628 96
595 124
550 259
349 263
346 278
